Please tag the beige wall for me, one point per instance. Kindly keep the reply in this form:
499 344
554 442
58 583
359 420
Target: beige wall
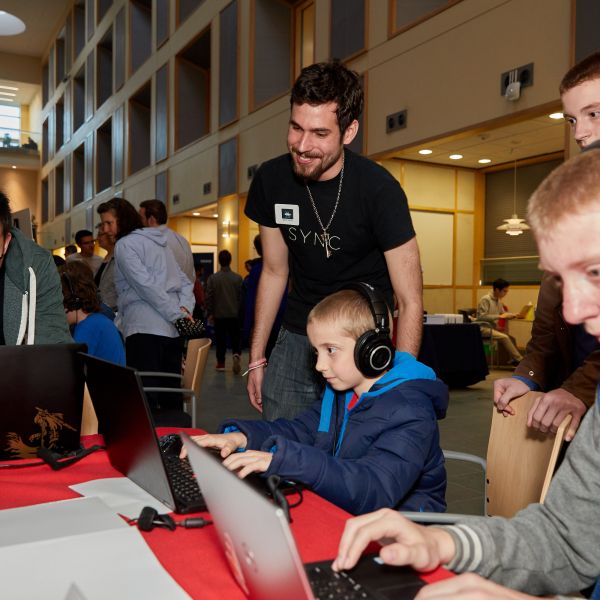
21 188
446 72
14 67
443 203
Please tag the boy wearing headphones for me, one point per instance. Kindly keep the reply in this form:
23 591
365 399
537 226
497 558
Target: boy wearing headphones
373 440
82 308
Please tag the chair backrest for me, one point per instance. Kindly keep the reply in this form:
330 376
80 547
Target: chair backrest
520 460
195 362
89 420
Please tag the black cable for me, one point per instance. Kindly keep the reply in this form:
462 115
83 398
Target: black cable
297 490
55 460
150 518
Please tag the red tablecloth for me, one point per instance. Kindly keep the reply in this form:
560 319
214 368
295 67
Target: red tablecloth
193 557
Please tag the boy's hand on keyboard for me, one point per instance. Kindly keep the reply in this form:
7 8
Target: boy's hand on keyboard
225 442
251 461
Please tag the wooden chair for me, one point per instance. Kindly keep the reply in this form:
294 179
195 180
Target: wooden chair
519 467
520 460
89 420
191 380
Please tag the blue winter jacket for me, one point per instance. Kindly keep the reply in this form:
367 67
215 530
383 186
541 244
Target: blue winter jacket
385 452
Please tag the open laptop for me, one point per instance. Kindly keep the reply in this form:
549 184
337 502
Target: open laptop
42 399
125 421
262 552
522 314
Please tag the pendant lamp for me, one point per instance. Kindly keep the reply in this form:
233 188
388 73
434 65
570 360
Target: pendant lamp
514 225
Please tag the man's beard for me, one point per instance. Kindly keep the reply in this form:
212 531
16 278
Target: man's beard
314 172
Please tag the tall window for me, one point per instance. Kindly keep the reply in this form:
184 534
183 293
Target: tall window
304 17
10 125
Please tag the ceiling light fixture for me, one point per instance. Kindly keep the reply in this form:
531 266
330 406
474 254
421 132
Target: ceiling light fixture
10 25
196 214
8 87
14 166
484 161
557 115
425 151
455 156
514 225
215 216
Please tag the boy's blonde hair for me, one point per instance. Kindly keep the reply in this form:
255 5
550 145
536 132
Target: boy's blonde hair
570 189
348 309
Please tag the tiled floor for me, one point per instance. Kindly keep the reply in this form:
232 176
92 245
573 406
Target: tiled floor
465 428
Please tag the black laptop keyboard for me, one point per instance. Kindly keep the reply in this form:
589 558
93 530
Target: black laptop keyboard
183 484
327 584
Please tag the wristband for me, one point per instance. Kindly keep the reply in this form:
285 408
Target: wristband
259 364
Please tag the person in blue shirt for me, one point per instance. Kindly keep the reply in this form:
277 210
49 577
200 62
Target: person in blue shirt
373 439
82 307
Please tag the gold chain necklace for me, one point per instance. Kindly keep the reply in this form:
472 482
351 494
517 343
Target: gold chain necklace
325 237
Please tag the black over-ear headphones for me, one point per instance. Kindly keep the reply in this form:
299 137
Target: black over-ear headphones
72 301
374 351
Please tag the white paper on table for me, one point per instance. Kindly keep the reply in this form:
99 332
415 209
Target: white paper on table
121 494
77 549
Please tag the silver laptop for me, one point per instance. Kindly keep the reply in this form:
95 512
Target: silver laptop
262 553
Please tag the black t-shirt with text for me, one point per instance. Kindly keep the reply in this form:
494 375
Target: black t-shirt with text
372 217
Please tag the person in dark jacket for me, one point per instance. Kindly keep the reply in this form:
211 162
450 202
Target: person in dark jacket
371 442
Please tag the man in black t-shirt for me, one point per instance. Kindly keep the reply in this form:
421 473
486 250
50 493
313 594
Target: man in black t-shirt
327 217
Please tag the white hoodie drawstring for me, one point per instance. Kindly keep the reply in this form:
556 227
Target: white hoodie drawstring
28 311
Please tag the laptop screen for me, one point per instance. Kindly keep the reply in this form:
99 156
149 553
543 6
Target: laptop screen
42 399
254 533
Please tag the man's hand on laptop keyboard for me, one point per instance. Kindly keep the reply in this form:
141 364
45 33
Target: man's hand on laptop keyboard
251 461
225 442
404 542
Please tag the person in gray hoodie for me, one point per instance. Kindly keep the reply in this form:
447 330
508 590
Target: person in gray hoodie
153 293
550 548
31 309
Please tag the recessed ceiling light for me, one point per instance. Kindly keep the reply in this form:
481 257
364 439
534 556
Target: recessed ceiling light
196 214
455 156
484 161
7 94
8 87
425 151
10 25
557 115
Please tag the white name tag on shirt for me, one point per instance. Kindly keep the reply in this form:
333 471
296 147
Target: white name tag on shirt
287 214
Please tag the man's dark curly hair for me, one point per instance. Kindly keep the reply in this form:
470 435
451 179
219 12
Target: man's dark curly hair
124 212
330 82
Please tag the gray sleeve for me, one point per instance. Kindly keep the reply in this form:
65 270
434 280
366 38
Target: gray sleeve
545 549
484 311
